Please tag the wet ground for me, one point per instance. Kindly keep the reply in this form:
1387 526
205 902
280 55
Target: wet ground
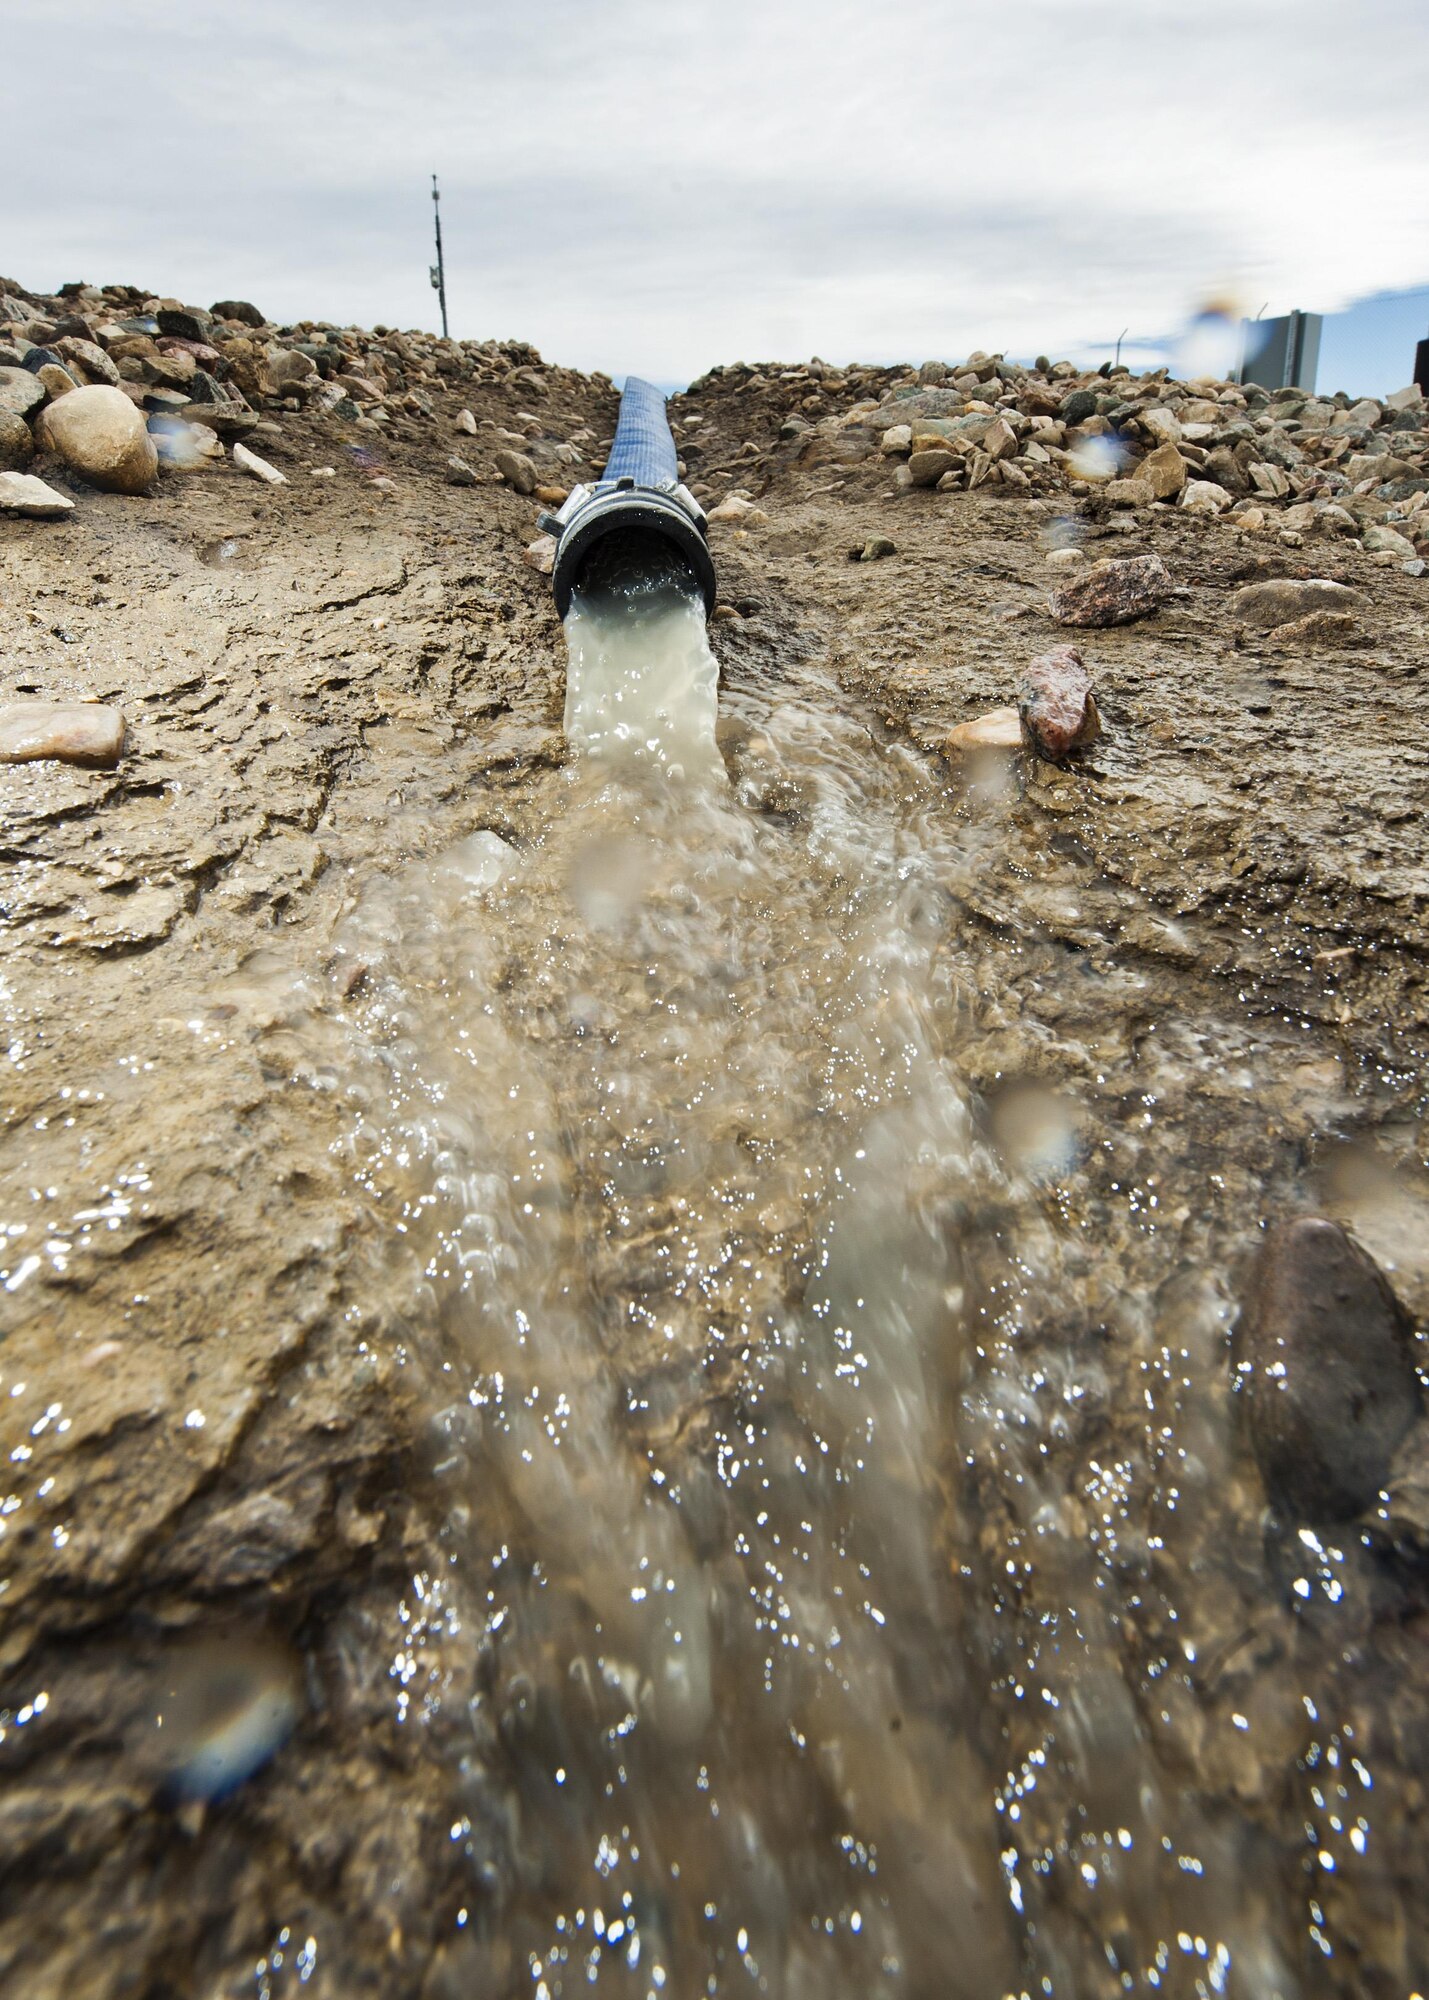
617 1377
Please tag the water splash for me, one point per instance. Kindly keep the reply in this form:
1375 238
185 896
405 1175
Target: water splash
844 1567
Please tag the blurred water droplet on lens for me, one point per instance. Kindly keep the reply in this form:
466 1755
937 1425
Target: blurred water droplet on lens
1210 347
222 1708
181 445
1036 1130
1096 458
1063 533
1383 1204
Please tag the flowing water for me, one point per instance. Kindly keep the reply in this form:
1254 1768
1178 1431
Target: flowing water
850 1581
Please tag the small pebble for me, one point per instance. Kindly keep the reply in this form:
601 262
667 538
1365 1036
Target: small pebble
541 554
249 461
22 493
71 732
1000 729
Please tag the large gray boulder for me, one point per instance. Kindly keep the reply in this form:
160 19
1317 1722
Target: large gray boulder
1324 1365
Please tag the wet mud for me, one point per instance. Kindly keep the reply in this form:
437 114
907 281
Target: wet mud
617 1370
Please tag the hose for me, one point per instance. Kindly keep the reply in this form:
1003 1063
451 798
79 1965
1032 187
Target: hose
639 502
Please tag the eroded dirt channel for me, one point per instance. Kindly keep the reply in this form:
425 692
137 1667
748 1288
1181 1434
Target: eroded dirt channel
645 1337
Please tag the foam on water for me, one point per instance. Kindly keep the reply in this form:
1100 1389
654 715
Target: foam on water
642 685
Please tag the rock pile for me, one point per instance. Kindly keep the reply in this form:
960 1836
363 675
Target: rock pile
1284 461
85 373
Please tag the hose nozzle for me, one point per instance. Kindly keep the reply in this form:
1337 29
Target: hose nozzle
638 498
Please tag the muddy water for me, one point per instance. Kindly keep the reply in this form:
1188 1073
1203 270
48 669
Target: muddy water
850 1579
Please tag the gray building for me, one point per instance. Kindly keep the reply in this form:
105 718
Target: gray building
1281 353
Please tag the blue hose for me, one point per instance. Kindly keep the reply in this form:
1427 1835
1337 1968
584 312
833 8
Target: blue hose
643 449
639 497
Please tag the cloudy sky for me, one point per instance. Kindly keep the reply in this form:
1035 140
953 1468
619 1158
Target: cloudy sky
656 185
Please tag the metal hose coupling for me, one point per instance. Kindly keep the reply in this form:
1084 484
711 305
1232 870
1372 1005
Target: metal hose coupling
638 498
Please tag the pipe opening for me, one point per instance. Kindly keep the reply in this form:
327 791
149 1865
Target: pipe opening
636 562
647 526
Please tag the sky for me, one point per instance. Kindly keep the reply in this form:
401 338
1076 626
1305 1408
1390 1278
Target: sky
658 185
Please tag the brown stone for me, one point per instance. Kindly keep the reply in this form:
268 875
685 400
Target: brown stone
91 363
21 493
287 372
517 470
99 434
1000 729
1164 470
17 444
20 393
541 554
1285 598
71 732
1321 628
928 467
1117 591
55 381
169 371
1324 1366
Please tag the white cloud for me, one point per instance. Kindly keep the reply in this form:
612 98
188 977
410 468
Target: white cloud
658 184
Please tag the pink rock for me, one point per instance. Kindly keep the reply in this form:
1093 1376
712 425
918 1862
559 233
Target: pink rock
202 353
1115 592
541 554
72 732
1056 704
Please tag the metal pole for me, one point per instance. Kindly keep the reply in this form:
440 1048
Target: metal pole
439 273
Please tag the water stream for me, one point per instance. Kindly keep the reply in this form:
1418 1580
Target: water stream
850 1583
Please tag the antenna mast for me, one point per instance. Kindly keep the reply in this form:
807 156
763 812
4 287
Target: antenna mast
439 273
